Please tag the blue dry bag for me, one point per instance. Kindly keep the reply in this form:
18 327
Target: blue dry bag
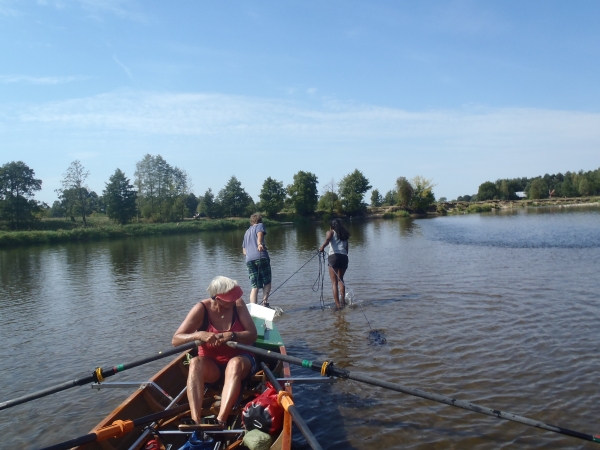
199 442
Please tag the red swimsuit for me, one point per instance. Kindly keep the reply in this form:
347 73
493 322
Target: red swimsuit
223 353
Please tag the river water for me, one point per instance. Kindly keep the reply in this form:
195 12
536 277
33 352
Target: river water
500 309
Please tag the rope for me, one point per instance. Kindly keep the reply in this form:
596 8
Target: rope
275 290
321 278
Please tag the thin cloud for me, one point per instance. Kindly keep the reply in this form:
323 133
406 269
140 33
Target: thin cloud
8 79
123 66
194 114
124 9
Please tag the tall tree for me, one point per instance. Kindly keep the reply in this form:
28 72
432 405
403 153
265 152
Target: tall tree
352 189
209 206
303 193
17 189
120 198
162 189
537 189
329 200
233 199
74 190
422 193
272 196
487 191
405 192
376 198
182 187
390 198
191 203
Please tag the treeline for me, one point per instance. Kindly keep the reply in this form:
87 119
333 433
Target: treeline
162 193
415 195
571 184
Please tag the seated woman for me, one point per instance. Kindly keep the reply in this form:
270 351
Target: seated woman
216 320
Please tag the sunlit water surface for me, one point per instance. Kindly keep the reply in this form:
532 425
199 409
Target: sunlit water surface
498 309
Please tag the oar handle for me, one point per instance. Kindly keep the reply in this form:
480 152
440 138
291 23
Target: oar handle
325 368
300 423
97 376
105 373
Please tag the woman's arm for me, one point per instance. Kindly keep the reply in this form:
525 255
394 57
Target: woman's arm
327 239
187 330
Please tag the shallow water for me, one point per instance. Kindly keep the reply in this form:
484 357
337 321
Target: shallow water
498 309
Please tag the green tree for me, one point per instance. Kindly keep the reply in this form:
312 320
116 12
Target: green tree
181 185
405 192
272 196
487 191
376 198
74 191
57 209
153 181
233 199
422 193
303 193
120 198
209 206
585 187
352 189
161 189
191 204
538 189
329 200
17 189
390 198
507 189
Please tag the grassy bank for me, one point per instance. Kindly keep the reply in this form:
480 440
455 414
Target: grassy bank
103 229
489 205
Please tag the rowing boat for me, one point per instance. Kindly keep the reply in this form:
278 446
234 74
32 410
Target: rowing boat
167 390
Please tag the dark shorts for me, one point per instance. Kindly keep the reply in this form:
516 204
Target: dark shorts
259 272
338 261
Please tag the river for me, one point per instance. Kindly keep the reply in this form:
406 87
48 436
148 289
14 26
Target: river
501 309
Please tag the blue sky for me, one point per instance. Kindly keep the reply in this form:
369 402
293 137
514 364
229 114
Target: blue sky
457 91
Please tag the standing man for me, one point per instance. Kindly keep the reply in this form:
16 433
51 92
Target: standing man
257 259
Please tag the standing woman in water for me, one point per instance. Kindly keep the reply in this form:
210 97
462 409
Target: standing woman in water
337 238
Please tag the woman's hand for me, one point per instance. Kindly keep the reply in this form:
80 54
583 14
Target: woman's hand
213 339
217 339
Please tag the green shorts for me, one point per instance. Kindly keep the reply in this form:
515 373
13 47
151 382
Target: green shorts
259 272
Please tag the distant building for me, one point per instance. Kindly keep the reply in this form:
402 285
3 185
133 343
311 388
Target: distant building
521 194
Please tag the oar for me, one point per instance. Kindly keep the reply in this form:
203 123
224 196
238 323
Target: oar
327 369
288 404
97 376
117 429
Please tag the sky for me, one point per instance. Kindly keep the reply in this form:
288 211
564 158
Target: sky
460 92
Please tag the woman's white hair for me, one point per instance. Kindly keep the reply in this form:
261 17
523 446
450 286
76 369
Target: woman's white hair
220 285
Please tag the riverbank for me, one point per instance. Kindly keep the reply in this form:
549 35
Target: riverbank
51 231
489 205
104 229
444 208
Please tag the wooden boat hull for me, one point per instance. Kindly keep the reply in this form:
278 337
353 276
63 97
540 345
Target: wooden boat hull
156 395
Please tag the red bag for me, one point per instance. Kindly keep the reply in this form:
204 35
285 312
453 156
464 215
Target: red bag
264 412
